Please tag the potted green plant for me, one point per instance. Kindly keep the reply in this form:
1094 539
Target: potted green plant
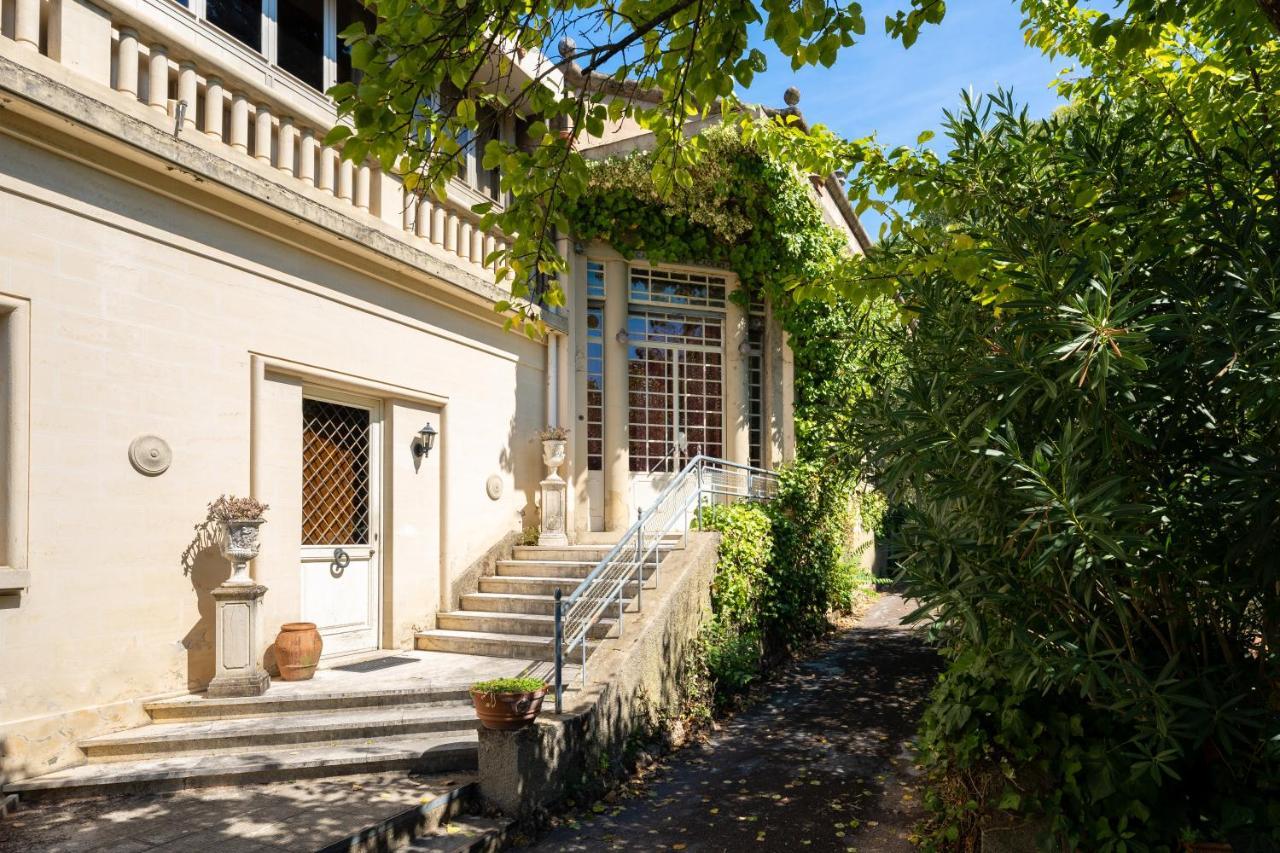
508 704
240 519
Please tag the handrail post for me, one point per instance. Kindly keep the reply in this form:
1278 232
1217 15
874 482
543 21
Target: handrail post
640 588
698 517
559 640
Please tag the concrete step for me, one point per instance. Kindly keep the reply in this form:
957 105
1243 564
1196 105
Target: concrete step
524 624
254 734
447 816
274 703
537 605
583 553
488 643
470 834
544 569
424 753
509 584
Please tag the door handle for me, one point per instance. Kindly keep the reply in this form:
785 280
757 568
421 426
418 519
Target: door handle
341 559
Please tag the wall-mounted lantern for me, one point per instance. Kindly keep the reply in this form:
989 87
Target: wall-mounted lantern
424 442
622 337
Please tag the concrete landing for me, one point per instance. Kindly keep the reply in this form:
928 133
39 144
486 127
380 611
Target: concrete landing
294 816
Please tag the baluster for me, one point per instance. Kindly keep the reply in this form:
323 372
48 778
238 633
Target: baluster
408 213
425 215
464 239
490 245
26 24
127 62
158 78
288 135
240 122
187 89
328 168
346 170
364 177
214 100
307 156
451 232
439 224
477 247
262 134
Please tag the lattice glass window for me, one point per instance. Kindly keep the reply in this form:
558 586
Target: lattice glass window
675 384
335 474
595 387
671 287
595 280
755 387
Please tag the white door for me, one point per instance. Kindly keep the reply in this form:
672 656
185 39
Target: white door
341 580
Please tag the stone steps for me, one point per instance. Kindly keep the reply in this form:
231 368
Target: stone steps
273 703
439 752
488 643
537 605
470 834
256 734
514 623
545 569
524 585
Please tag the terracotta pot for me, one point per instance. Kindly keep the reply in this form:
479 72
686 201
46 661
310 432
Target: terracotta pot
298 647
507 712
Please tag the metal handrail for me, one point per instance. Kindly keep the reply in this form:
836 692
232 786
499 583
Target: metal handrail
577 613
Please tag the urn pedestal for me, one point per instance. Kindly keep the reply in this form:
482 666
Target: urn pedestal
236 633
554 496
237 625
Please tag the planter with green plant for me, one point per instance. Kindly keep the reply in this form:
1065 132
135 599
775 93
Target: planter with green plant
508 704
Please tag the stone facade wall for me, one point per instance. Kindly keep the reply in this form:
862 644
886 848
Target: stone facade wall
150 307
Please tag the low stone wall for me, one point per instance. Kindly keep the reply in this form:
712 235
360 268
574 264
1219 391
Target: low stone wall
635 680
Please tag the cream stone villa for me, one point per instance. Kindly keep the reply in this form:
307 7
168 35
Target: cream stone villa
198 298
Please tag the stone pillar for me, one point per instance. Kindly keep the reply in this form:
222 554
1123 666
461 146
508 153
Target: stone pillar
237 631
158 78
262 133
187 88
26 24
361 195
288 139
422 225
80 38
451 232
240 122
307 156
346 173
127 62
328 168
439 224
617 456
214 100
737 419
788 400
772 392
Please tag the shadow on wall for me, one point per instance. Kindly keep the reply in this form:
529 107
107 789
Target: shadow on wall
204 566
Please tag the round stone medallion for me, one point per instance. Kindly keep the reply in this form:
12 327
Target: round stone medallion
150 455
493 487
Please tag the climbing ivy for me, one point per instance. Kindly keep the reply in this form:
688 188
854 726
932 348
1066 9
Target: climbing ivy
746 212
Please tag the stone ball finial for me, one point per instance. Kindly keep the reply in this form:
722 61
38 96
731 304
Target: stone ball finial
568 48
791 96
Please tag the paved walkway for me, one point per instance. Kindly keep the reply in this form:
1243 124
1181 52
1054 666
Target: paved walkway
268 818
821 765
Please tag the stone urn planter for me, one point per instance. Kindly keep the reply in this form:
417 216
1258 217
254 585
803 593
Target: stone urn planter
508 704
298 648
240 544
554 453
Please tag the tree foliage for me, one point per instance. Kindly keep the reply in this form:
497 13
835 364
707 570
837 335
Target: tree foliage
1085 426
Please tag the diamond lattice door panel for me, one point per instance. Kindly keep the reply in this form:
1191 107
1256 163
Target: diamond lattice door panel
335 474
340 576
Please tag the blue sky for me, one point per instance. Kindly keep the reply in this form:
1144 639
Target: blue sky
877 86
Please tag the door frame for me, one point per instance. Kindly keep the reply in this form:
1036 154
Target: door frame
376 407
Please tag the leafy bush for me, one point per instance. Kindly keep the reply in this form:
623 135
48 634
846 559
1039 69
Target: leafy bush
732 640
810 516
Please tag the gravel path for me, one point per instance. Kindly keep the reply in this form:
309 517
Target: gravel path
820 764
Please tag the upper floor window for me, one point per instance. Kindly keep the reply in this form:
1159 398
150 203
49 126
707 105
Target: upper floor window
299 36
672 287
